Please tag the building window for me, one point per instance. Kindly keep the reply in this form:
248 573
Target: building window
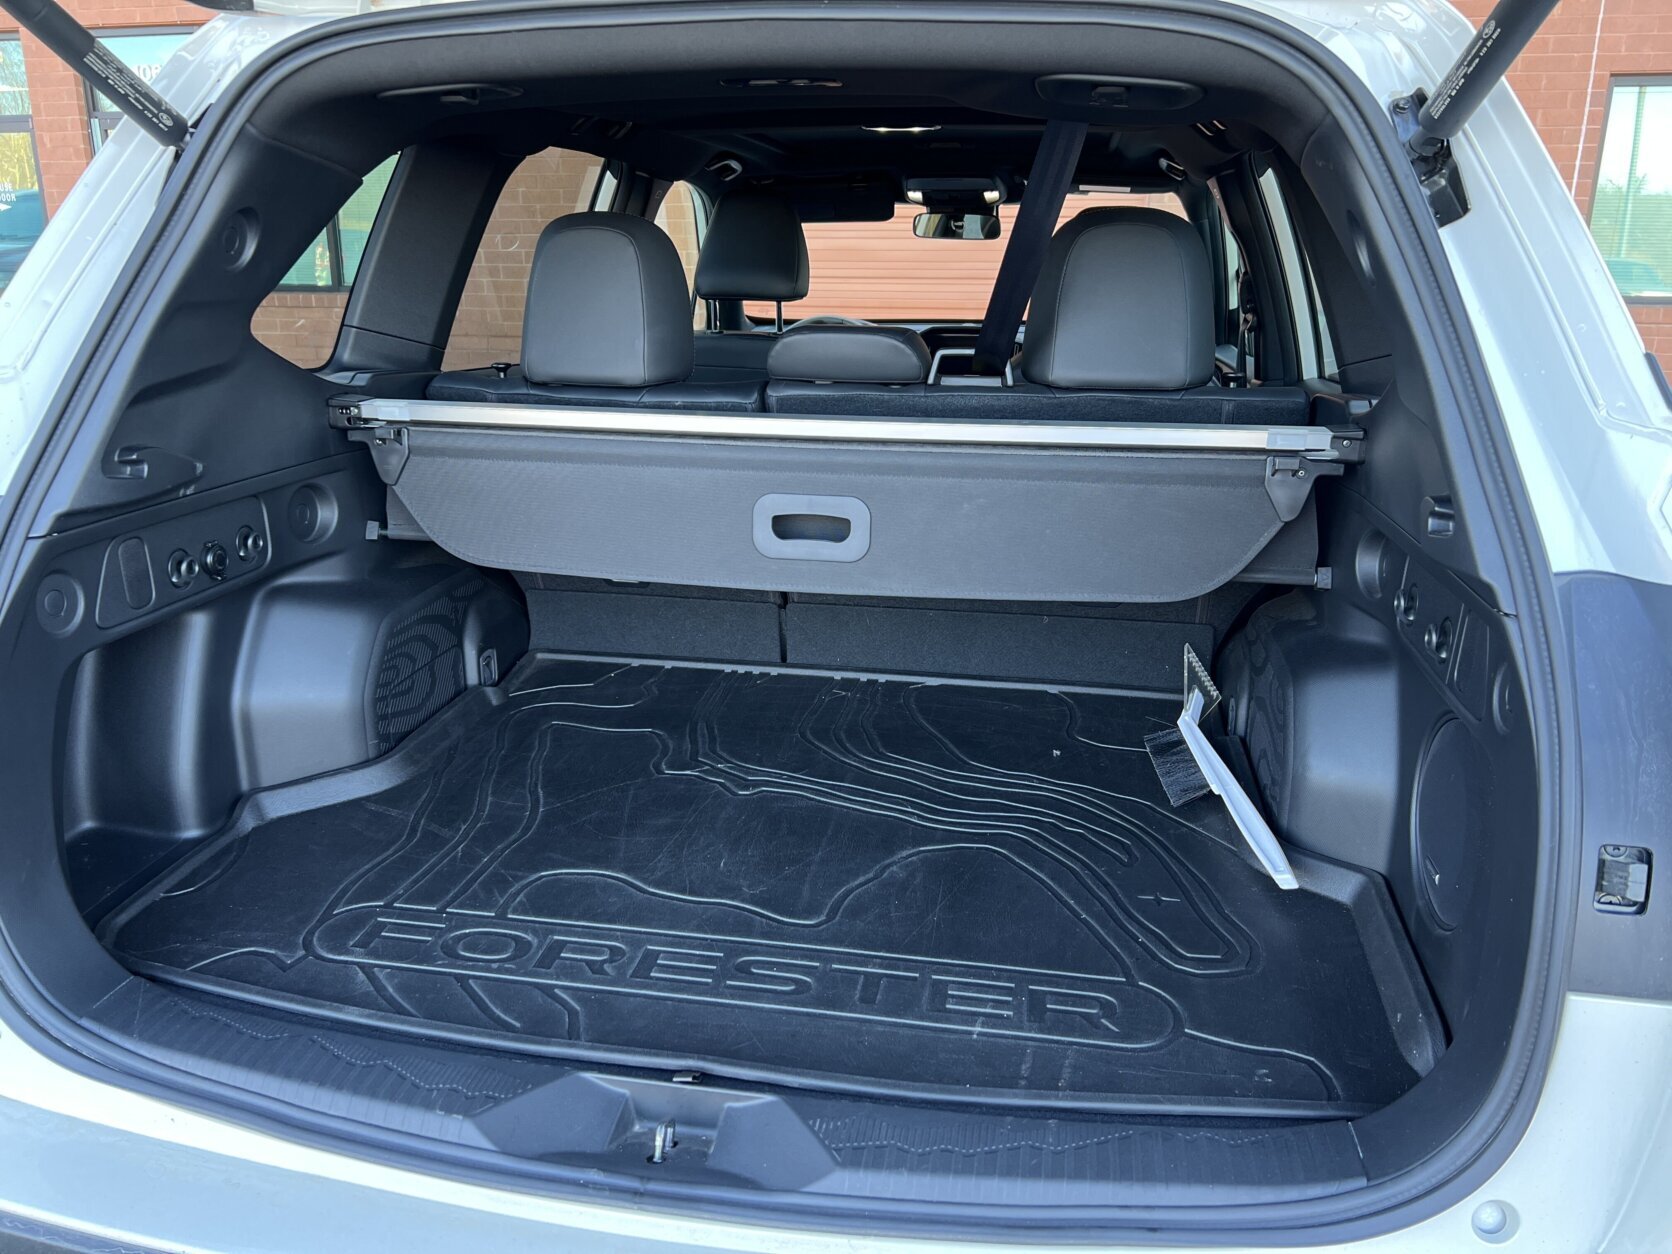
333 259
22 213
1631 213
143 52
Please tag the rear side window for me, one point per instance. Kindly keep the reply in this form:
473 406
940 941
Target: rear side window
488 325
300 320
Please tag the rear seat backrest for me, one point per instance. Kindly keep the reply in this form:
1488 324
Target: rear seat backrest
754 249
607 323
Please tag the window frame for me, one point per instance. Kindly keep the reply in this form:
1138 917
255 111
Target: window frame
1314 341
1614 81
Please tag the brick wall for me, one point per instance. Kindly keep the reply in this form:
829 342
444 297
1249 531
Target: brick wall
1562 80
300 326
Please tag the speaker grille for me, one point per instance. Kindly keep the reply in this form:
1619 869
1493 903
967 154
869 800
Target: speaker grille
422 666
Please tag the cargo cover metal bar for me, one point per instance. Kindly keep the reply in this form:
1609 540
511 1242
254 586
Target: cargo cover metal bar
1313 443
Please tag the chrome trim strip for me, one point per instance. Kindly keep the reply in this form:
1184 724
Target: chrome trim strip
1203 437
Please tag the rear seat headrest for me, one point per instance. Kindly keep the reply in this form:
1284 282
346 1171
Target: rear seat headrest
843 354
1124 301
754 249
607 304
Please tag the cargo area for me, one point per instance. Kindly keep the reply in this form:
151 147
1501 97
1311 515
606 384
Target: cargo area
874 885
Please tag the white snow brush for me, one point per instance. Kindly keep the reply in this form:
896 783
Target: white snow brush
1189 767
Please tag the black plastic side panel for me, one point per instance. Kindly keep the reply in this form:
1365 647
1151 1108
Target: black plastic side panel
140 711
141 674
1386 726
325 666
199 400
50 627
1017 525
1620 630
1392 705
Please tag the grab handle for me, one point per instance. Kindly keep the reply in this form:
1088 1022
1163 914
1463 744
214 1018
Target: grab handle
812 528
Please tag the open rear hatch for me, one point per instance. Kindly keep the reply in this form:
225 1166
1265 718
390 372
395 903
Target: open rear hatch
821 804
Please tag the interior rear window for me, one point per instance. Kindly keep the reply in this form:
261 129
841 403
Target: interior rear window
880 271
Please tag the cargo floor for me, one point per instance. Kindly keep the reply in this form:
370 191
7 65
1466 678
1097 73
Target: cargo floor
928 889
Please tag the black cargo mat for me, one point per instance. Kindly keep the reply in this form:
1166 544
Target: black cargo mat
975 892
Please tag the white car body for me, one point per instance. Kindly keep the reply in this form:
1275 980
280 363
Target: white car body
1592 434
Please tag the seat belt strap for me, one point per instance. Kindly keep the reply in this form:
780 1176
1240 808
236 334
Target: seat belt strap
1024 256
1248 323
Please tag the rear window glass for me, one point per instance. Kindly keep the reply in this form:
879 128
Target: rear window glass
881 271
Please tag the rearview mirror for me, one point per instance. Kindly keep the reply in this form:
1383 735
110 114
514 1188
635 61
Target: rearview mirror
955 226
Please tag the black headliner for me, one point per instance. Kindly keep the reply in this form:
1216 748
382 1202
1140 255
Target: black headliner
674 126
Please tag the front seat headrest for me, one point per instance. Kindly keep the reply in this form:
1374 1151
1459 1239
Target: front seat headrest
1124 301
755 249
607 304
844 354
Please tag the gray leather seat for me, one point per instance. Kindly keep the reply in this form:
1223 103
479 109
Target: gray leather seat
1120 330
607 324
755 249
